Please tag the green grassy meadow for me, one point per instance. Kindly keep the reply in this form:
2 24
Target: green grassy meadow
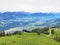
28 39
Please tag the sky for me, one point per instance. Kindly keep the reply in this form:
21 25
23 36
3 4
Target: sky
30 5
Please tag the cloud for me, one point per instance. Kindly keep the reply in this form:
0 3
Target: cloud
30 5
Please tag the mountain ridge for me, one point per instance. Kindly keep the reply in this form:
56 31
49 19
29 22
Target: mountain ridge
24 19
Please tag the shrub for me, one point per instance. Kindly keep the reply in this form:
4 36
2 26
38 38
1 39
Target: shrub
19 32
46 32
2 33
38 32
41 30
57 38
9 34
16 32
52 31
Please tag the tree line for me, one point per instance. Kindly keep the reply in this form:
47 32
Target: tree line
36 30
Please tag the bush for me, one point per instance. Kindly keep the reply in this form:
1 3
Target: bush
57 38
8 34
38 32
19 32
16 32
52 31
41 30
34 30
2 33
46 32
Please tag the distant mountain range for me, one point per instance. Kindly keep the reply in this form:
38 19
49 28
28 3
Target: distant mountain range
28 20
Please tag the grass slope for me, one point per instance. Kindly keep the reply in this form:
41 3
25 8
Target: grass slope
27 39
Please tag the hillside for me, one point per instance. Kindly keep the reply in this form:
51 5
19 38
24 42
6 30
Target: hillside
27 39
27 20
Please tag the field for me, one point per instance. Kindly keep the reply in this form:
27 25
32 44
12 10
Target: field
28 39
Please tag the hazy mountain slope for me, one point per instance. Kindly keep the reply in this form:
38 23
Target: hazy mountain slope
25 19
